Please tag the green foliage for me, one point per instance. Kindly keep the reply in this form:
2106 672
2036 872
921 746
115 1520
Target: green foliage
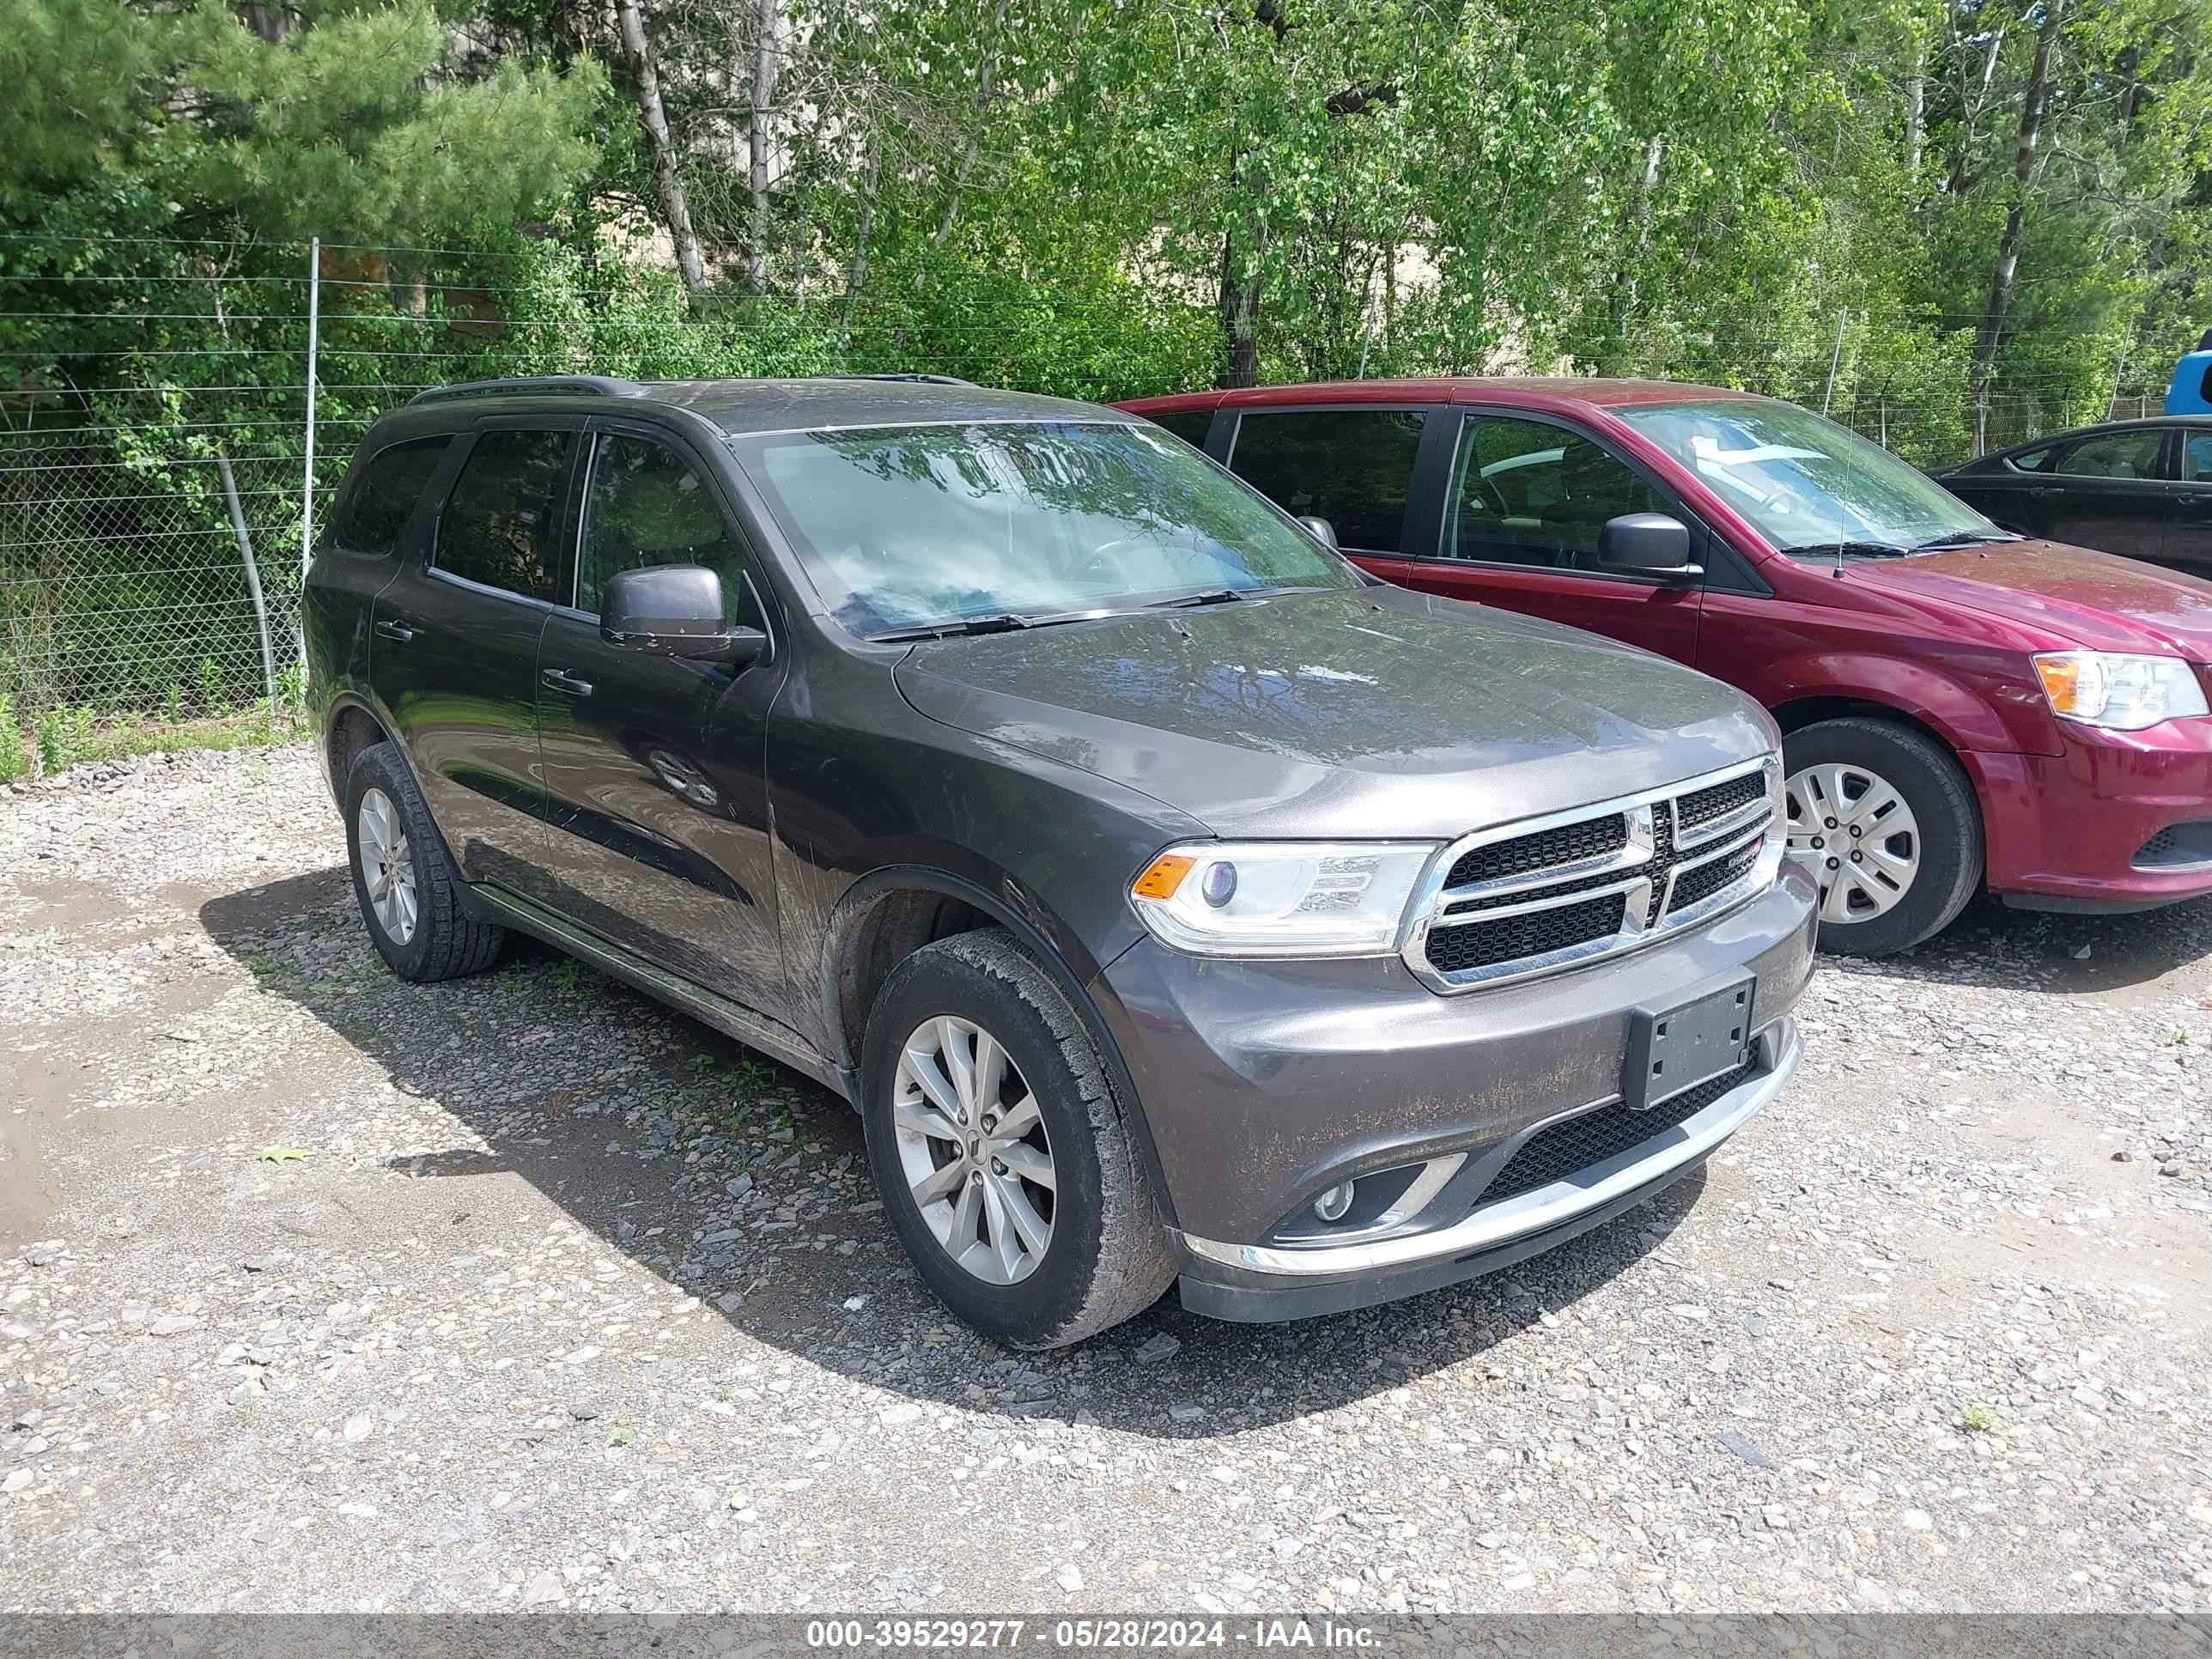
12 763
63 737
1101 200
331 132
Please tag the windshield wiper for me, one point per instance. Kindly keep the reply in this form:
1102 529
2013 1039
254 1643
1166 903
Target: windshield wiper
1966 538
1188 601
1003 622
1849 549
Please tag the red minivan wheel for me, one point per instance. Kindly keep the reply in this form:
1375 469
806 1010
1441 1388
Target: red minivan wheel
1881 817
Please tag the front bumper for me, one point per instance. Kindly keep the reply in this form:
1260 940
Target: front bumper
2086 829
1264 1083
1255 1283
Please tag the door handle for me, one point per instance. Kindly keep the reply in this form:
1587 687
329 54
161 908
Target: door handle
396 631
2193 500
561 680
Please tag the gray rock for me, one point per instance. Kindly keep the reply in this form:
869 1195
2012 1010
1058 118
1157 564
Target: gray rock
1162 1346
1743 1447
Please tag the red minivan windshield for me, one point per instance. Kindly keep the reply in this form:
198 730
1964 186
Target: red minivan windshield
1810 487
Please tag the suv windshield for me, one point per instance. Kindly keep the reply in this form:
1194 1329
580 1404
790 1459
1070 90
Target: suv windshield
1809 485
920 527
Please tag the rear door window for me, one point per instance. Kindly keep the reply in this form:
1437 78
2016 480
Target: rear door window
502 525
383 498
1353 467
2115 455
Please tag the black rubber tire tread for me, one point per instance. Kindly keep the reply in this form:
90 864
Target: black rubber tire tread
1119 1263
448 944
1923 771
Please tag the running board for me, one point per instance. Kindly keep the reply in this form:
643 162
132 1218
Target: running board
732 1018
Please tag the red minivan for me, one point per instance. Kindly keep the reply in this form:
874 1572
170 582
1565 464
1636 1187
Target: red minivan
1961 706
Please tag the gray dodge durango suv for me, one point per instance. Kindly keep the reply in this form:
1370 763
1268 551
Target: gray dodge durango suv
1172 899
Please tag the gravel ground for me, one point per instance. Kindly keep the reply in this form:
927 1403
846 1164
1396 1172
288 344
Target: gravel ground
322 1292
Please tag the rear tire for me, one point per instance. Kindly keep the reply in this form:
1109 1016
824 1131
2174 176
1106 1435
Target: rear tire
1005 1160
1885 822
403 877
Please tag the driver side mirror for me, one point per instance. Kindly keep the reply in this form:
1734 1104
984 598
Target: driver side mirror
1647 544
676 611
1320 530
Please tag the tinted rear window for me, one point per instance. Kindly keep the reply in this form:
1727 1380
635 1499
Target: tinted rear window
1352 466
2131 454
1191 425
501 524
383 498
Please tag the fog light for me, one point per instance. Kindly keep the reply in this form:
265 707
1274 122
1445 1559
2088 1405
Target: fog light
1335 1204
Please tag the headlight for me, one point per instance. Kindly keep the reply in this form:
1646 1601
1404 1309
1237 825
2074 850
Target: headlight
2123 693
1275 898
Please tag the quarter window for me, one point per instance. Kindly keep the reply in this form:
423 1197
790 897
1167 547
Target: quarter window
2116 455
646 508
383 499
1529 494
501 524
1352 466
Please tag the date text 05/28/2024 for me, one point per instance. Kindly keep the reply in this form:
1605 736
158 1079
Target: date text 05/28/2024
1154 1634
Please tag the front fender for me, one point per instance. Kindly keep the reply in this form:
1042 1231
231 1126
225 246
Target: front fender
1973 709
1055 946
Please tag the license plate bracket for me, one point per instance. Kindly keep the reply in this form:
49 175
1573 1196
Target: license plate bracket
1682 1044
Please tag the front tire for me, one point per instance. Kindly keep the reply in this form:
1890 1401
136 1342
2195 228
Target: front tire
1003 1156
1886 823
403 877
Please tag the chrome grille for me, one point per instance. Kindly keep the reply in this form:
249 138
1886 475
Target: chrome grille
1526 933
1702 806
1570 843
1573 887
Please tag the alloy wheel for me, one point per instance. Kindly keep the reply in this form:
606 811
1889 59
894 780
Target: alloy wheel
1852 831
388 867
973 1148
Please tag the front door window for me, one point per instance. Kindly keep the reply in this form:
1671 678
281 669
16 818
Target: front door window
645 508
1526 493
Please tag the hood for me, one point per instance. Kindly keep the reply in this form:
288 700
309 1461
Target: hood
1373 713
2078 597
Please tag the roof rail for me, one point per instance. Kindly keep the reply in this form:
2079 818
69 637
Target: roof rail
598 385
919 379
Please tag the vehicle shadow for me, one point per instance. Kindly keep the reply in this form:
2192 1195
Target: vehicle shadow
742 1183
1992 944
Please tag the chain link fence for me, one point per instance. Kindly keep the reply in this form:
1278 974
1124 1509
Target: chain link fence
155 425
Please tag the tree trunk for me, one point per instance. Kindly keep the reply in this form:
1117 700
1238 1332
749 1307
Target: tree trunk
2034 103
677 210
1916 112
985 90
1623 285
1972 101
2127 69
767 63
1239 309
